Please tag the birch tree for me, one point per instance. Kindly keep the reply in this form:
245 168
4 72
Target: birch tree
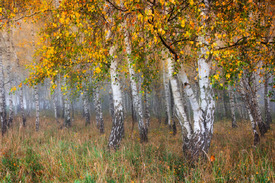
146 111
111 102
54 99
2 96
167 98
22 108
117 131
67 115
268 118
98 110
35 88
11 112
36 96
137 100
232 106
86 107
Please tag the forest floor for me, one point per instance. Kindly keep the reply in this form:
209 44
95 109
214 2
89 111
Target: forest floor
80 154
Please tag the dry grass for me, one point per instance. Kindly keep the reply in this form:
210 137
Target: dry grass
80 154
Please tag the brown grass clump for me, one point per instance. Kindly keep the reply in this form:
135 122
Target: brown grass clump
80 154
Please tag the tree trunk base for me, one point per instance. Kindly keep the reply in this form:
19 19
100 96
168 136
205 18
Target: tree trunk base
194 148
263 128
143 135
174 128
256 139
234 125
24 122
117 133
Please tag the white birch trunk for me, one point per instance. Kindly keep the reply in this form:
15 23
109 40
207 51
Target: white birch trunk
67 115
2 97
36 96
54 99
173 111
261 124
22 109
268 118
253 122
248 84
185 125
146 110
98 110
232 106
137 100
111 104
167 97
207 102
10 120
117 131
86 107
11 112
198 144
197 112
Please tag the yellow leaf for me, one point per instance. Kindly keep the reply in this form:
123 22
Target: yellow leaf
216 76
61 20
97 70
182 23
187 34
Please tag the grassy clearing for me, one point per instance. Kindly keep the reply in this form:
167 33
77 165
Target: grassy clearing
80 154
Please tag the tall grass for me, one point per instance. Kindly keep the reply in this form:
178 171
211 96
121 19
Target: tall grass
80 154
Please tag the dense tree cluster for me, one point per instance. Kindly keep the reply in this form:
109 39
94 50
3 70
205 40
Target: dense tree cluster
188 49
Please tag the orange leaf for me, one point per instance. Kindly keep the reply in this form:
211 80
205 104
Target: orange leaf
212 158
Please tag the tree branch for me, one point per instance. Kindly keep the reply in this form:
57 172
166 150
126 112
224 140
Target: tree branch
116 6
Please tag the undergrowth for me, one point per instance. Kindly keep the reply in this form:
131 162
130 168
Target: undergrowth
80 155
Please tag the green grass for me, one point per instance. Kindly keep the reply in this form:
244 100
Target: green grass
80 155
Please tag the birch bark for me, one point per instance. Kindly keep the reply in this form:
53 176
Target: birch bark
9 45
187 130
146 110
3 113
99 116
137 100
67 115
11 112
117 131
232 106
167 97
246 98
86 107
249 94
54 98
111 103
174 126
22 109
36 96
207 101
268 118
